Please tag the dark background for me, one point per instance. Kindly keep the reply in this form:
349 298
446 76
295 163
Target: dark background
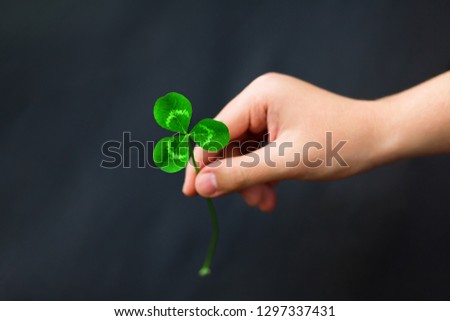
76 74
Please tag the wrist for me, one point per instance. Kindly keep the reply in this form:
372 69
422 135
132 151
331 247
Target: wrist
416 121
387 137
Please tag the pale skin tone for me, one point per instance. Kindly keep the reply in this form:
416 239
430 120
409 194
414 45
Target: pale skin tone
412 123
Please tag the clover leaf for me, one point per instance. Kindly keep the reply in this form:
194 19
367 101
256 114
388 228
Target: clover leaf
173 112
171 154
211 134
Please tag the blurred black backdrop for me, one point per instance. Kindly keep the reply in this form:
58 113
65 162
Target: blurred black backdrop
76 74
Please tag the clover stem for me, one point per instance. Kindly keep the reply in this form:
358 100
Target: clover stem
206 268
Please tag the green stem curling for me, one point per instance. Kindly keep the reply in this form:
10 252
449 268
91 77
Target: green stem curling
206 268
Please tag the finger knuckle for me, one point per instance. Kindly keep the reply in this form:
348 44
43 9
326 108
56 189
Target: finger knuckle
268 77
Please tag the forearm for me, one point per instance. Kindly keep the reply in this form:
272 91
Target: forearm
416 122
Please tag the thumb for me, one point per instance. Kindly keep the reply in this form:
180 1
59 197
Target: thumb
236 173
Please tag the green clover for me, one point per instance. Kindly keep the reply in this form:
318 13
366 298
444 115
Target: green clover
171 154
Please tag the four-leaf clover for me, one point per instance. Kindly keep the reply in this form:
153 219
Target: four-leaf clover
173 112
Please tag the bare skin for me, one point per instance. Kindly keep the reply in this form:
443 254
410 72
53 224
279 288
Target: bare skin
415 122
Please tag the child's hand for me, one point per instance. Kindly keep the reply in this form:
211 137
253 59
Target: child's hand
297 115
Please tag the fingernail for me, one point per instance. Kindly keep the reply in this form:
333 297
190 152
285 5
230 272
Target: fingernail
207 184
